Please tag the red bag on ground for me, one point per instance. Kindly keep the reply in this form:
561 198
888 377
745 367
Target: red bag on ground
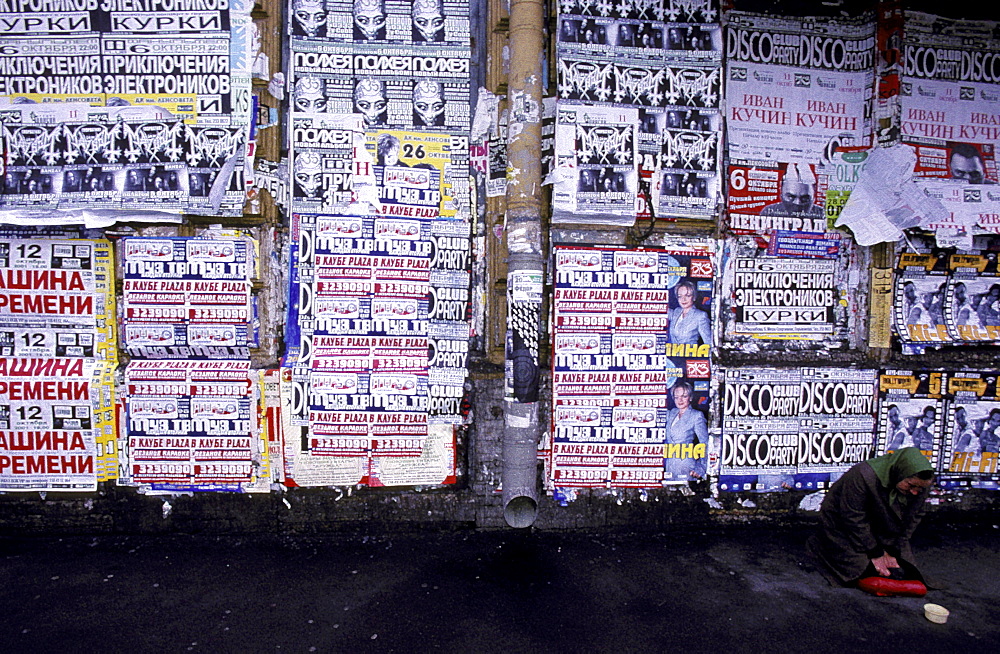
886 587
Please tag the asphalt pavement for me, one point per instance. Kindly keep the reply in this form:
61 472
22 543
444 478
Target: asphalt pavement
735 590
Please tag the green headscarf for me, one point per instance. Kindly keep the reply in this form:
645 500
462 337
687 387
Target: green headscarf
896 466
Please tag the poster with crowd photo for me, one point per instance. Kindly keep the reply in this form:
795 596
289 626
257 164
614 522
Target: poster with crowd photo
836 423
665 32
216 166
632 340
155 169
595 164
948 91
971 447
760 429
797 88
663 59
795 300
687 184
918 308
34 154
650 30
972 298
911 411
766 195
67 156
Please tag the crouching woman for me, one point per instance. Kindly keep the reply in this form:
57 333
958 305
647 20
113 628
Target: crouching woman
868 516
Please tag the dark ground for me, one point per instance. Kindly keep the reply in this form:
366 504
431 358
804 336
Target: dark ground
738 590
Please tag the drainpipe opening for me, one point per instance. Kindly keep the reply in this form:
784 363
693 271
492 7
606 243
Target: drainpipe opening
520 512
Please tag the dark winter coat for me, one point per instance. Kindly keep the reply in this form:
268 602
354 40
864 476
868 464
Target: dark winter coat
857 524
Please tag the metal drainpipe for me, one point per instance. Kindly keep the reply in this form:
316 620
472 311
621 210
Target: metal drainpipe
525 265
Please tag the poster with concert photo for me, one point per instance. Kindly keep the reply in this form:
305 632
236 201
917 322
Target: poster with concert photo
971 450
596 164
215 156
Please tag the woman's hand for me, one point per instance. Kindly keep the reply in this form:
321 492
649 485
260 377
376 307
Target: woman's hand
884 562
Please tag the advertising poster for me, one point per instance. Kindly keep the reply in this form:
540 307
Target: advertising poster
798 88
192 403
401 68
662 59
216 166
918 310
69 156
911 412
303 468
797 297
50 421
841 174
57 334
389 92
633 332
57 299
382 317
113 86
972 297
596 164
836 423
941 159
947 90
410 171
760 429
795 428
429 26
768 195
271 426
324 161
93 52
191 423
971 444
187 298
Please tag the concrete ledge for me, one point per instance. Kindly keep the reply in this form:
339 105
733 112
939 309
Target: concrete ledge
122 511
